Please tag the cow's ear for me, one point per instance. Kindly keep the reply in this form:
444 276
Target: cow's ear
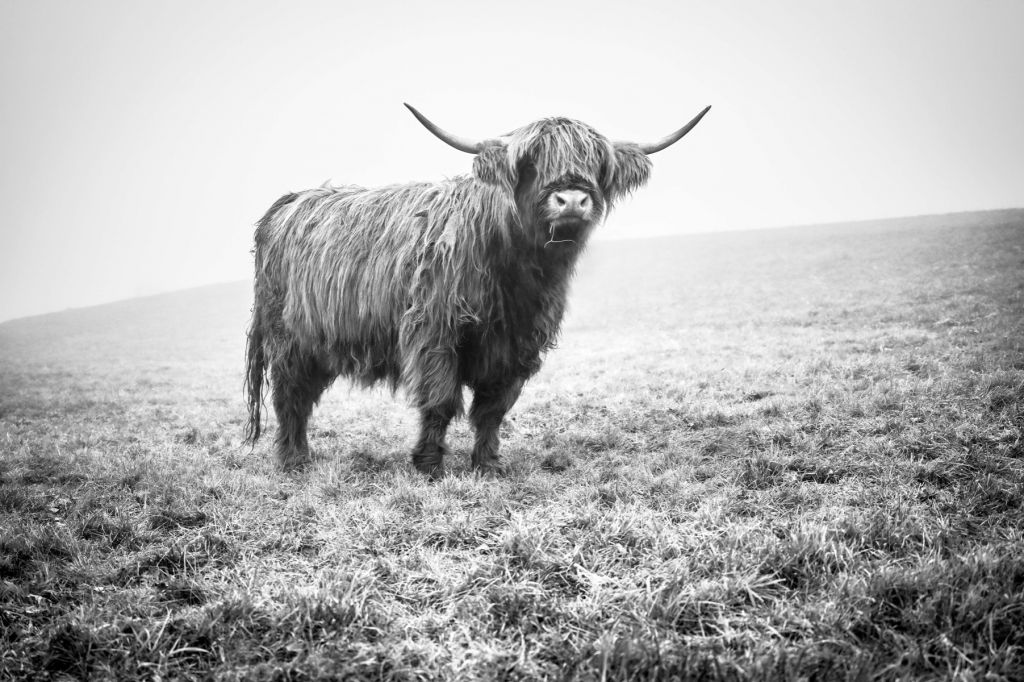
493 167
631 170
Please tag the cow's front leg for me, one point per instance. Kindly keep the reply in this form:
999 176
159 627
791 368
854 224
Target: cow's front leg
428 455
490 403
439 397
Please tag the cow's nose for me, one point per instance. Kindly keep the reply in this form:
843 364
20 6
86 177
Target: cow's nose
571 202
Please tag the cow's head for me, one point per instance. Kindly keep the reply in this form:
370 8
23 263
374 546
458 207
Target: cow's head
563 174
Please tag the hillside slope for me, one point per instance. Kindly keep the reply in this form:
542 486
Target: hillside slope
659 281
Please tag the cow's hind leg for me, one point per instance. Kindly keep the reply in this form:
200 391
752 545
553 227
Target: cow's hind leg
490 403
297 382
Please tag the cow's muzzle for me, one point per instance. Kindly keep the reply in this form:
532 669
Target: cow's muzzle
566 229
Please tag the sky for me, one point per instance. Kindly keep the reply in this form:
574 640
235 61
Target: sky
140 141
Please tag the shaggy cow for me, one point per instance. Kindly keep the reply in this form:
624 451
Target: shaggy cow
434 285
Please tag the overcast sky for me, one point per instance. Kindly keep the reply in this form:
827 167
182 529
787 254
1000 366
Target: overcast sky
140 141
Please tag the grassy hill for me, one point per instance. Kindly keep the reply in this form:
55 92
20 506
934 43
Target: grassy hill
755 455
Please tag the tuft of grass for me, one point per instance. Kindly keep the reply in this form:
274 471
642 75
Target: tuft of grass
113 531
759 473
176 518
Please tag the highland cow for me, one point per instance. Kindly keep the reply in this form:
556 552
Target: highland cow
431 286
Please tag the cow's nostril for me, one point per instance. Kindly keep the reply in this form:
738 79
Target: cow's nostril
560 199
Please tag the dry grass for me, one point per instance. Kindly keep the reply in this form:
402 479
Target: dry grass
773 455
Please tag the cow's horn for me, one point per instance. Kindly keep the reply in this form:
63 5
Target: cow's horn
461 143
657 146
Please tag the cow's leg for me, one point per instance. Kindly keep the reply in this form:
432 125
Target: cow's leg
439 396
490 403
428 455
297 381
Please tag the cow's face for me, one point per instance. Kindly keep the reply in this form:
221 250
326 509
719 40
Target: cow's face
563 175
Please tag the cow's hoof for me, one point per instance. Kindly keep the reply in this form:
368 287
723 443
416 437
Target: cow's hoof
429 461
492 468
293 460
434 472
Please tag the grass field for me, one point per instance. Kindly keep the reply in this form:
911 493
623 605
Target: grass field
778 454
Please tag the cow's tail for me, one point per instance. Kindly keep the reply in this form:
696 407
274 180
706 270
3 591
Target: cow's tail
262 323
255 373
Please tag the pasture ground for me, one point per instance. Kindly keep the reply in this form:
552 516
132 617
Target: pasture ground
765 455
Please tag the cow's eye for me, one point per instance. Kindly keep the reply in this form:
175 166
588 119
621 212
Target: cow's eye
526 174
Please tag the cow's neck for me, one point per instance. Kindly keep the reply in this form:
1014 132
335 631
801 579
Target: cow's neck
534 280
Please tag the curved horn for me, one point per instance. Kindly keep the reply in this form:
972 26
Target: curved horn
461 143
665 142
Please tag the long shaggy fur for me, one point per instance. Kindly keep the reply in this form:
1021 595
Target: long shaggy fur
430 286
